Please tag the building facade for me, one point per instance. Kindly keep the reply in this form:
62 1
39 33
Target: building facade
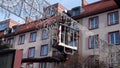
56 35
101 21
47 41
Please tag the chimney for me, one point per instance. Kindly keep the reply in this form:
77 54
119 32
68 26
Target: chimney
84 3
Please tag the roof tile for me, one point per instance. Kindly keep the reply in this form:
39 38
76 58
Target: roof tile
97 7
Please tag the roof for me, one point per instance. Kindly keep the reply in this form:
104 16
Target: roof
96 8
8 21
34 25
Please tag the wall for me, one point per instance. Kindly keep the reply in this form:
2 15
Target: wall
36 44
102 31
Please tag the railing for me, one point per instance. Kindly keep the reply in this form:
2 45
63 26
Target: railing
69 36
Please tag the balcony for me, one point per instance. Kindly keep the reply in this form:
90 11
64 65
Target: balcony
67 39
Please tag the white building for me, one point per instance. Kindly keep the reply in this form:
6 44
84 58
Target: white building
101 20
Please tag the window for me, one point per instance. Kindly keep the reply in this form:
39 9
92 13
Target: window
33 37
10 42
76 12
93 42
29 65
44 50
114 37
74 43
113 18
43 65
93 23
45 34
31 52
70 36
21 39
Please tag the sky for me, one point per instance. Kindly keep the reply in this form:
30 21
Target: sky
66 3
70 3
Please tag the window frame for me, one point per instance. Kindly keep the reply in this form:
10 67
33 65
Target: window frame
43 34
29 64
31 36
109 41
89 43
89 23
9 42
29 52
41 50
108 18
19 42
42 63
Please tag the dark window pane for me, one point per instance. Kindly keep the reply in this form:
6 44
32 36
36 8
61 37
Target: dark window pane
10 42
44 50
113 18
112 38
31 52
33 37
117 38
45 34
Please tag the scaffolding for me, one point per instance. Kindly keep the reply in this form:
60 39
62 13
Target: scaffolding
32 9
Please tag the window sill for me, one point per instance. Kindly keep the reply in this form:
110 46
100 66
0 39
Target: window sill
31 57
116 44
90 48
44 55
32 41
94 48
93 28
21 44
112 24
44 38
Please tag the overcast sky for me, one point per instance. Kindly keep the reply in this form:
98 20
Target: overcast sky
70 3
